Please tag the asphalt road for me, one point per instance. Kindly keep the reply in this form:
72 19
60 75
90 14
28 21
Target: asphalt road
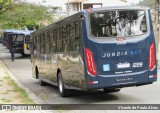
21 69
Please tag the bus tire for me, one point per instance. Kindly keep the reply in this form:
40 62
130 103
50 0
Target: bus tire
42 83
63 92
111 90
23 55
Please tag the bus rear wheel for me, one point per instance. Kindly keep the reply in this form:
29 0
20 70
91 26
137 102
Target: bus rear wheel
111 90
42 83
63 92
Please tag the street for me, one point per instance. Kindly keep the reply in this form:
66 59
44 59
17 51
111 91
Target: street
21 69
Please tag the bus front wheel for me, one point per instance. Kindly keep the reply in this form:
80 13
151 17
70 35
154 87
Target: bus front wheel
42 83
63 92
23 55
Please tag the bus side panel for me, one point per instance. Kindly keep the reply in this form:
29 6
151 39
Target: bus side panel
87 77
75 58
62 65
152 39
32 58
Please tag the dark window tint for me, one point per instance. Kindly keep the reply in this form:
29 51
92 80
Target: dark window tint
118 23
27 38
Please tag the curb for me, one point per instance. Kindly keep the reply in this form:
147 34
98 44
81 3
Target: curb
28 91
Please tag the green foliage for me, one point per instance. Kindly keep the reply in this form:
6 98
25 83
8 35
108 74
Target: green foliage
4 4
24 15
148 3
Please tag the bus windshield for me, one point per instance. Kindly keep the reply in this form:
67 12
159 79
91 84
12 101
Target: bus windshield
119 23
17 38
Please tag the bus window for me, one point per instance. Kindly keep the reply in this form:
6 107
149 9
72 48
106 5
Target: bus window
77 33
59 40
65 40
27 38
18 38
53 49
64 32
74 36
118 23
77 36
43 43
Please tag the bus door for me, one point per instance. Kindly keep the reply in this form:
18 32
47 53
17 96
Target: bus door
121 46
26 44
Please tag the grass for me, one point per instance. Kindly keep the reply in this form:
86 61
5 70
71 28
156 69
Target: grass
22 95
6 101
6 77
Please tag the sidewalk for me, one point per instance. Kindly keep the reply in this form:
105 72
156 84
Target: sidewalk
13 93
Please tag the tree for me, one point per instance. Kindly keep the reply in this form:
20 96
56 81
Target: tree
24 15
4 5
148 3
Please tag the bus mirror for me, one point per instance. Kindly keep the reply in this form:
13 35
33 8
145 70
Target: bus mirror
82 17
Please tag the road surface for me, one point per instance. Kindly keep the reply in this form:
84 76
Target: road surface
21 69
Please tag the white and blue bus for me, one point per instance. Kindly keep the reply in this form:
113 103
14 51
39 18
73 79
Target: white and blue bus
101 48
19 40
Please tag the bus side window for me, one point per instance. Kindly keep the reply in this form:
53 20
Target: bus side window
65 40
39 44
59 40
32 48
35 43
47 44
53 49
43 43
74 36
143 26
77 36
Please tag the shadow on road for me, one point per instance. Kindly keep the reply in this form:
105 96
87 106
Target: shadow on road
79 97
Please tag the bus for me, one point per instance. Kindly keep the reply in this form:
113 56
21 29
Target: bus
105 48
18 41
26 43
8 37
5 34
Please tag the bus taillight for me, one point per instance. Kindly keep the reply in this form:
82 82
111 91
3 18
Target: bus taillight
91 67
152 60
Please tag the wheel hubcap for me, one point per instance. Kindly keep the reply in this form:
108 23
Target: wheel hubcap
60 84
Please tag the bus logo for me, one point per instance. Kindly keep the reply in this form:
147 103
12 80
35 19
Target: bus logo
115 54
121 53
123 65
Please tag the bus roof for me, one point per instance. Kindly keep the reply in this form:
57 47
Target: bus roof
88 10
24 32
119 7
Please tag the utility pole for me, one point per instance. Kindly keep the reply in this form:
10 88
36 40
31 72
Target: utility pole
68 8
